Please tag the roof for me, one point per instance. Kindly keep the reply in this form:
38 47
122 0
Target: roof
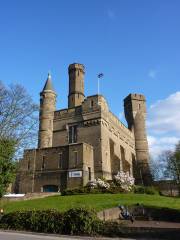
48 85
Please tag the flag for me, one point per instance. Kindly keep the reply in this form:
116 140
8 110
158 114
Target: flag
100 75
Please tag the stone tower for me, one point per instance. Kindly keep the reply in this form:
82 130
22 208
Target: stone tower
76 85
46 114
135 113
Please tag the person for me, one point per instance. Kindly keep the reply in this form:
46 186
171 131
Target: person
125 213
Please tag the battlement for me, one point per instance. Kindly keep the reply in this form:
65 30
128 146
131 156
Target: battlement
90 104
135 96
68 112
100 102
75 66
94 103
115 120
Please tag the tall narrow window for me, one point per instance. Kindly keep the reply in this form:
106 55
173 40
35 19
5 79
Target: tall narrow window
122 153
91 104
73 134
28 164
43 163
89 173
75 158
60 164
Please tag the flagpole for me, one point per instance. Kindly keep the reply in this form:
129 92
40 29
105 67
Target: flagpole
100 75
98 85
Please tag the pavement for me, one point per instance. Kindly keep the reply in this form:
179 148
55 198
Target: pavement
12 235
151 224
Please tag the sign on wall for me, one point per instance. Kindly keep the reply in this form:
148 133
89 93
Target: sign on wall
73 174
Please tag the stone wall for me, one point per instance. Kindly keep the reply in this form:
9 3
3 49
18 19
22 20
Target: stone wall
51 166
109 214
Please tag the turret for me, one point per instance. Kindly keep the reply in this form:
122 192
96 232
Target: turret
76 85
46 114
135 113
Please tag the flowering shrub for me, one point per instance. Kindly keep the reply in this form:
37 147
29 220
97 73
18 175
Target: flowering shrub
99 183
92 184
123 180
102 184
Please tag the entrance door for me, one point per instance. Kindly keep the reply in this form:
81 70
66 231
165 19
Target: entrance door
50 188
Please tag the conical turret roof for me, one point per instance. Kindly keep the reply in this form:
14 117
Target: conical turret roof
48 85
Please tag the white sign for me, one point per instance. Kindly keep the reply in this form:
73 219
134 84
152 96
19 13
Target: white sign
75 174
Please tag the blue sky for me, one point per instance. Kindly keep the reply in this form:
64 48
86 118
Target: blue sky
135 43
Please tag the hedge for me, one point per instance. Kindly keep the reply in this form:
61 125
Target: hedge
87 190
74 221
81 221
151 190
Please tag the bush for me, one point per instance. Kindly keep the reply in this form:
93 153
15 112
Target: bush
74 221
124 180
115 190
102 184
152 191
84 190
79 221
38 221
74 191
146 190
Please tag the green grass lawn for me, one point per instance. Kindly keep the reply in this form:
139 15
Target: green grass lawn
96 201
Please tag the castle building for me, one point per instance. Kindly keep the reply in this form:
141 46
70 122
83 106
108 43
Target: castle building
84 141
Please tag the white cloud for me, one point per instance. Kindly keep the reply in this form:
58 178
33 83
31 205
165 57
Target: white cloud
164 124
159 144
164 115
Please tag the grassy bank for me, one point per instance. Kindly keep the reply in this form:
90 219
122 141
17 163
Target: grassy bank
96 201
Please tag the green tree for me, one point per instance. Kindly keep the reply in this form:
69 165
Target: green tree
172 169
7 164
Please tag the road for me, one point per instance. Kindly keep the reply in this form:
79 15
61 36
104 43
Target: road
4 235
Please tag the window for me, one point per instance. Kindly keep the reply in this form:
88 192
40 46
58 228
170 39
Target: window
75 158
43 163
72 134
28 164
89 173
122 153
60 161
133 157
91 104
